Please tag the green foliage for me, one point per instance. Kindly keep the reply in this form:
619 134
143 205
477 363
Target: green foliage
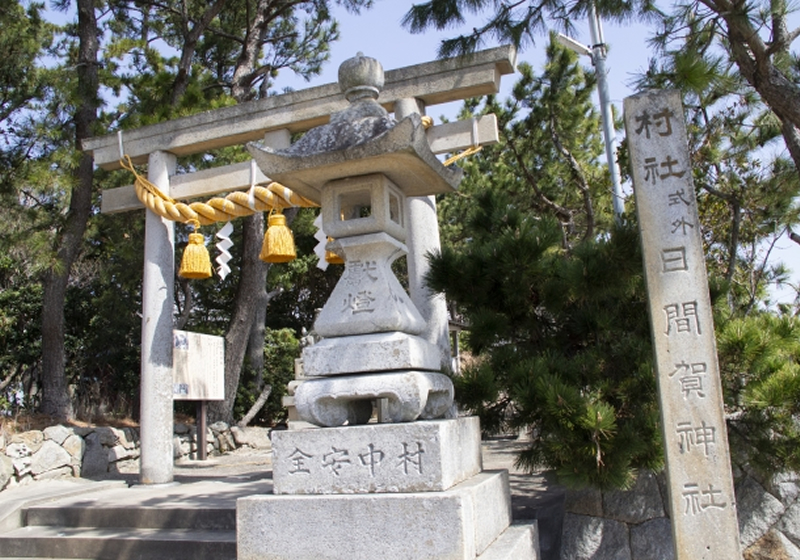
224 51
102 310
104 304
562 342
280 350
20 335
516 23
24 36
547 156
760 368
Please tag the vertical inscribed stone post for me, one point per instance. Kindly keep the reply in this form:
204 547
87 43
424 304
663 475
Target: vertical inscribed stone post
702 500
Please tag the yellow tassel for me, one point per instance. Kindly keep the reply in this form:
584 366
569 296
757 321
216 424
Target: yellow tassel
331 257
196 264
278 241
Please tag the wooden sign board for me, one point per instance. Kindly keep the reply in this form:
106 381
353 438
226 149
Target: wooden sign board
198 365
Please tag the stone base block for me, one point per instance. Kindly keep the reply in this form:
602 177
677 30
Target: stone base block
458 524
518 542
370 353
300 425
332 401
413 457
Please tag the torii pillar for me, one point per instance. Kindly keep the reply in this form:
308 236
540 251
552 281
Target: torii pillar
423 238
156 430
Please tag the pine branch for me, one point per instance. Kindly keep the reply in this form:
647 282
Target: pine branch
577 174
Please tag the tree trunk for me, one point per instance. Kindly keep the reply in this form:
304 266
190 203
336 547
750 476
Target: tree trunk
250 293
257 406
252 284
255 342
755 62
190 39
55 394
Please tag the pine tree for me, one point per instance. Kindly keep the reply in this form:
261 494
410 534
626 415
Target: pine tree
547 156
552 291
760 368
557 316
562 342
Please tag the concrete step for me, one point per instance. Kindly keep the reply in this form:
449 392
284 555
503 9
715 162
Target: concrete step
175 522
141 517
533 498
110 543
13 502
519 541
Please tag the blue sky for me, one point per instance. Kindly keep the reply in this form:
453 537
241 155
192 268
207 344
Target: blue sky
378 33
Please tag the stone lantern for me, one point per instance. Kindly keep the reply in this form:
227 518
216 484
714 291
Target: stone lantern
361 167
412 487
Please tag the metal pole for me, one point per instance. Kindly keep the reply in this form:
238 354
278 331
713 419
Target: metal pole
599 61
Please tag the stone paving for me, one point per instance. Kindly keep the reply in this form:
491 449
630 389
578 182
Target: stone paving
246 464
219 481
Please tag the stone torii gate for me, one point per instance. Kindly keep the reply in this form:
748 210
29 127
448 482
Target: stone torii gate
274 119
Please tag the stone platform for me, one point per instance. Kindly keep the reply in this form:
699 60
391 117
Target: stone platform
393 491
459 523
415 457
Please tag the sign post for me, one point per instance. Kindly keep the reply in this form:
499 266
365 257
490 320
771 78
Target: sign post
198 375
702 500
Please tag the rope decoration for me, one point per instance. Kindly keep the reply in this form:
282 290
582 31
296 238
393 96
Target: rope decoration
196 263
234 205
278 240
468 152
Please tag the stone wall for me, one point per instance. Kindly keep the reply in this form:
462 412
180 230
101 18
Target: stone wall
634 525
61 451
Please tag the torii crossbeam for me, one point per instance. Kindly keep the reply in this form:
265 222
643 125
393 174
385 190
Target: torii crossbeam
273 119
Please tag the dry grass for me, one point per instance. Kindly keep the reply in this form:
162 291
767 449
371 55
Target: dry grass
28 422
768 547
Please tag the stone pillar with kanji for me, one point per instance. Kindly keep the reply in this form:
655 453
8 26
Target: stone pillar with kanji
701 492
